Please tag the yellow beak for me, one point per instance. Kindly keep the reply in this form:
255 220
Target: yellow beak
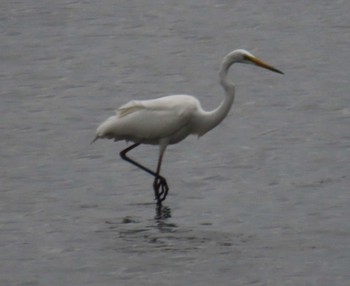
262 64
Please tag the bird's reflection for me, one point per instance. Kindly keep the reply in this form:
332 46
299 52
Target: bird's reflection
162 213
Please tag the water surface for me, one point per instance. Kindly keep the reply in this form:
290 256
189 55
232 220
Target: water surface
261 200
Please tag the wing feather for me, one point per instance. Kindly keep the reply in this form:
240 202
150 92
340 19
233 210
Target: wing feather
148 121
129 107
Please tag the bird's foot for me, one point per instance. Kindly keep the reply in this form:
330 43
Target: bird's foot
161 189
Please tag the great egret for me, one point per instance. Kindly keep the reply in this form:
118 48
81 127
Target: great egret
170 119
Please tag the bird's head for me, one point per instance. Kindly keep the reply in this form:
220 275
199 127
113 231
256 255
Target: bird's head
245 57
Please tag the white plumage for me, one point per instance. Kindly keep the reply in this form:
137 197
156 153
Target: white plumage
170 119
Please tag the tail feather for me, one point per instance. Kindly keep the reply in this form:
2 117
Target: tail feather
97 137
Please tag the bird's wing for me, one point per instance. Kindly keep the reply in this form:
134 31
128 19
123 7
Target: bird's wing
152 119
129 107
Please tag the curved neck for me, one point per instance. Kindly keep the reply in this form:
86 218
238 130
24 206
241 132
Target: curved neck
213 118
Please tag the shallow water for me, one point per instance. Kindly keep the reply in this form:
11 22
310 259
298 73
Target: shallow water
261 200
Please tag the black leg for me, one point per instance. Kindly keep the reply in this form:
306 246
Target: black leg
159 182
126 158
160 185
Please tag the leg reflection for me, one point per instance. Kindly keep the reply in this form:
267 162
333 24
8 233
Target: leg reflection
162 212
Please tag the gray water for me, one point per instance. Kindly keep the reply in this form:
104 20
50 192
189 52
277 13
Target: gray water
263 199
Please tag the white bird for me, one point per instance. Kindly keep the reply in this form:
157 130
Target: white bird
170 119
